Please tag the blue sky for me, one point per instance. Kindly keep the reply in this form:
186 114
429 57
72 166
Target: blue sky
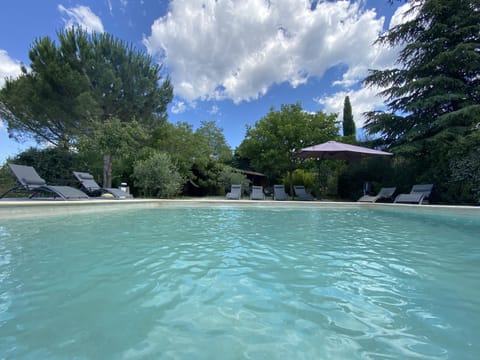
230 61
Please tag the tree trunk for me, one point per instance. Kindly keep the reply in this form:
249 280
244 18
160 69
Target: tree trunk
290 181
107 170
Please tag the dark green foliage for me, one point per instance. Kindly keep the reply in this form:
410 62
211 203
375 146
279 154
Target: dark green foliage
229 176
302 177
380 172
348 123
157 176
205 179
179 141
215 140
7 181
84 80
433 97
270 146
465 168
79 87
54 165
438 85
199 155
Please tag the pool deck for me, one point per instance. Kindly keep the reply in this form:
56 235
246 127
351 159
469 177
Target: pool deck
18 208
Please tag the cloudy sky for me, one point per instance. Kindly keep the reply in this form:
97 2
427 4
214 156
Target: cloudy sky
229 60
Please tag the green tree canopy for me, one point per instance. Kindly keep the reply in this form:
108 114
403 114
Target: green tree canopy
80 83
271 144
213 135
199 154
433 96
185 149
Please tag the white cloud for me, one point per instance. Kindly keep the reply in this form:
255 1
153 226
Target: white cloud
376 56
123 5
365 99
239 49
362 100
403 14
214 110
178 107
8 67
110 7
81 16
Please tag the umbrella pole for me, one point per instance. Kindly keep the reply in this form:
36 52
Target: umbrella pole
319 180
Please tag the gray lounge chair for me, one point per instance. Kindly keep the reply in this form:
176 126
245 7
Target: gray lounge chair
235 192
257 193
29 181
279 192
383 194
420 194
302 194
91 187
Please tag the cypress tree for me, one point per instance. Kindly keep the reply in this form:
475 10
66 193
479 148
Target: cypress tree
348 123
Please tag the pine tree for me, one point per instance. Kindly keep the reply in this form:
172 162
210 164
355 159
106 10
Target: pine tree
82 86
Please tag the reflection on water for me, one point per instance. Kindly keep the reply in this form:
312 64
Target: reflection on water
230 282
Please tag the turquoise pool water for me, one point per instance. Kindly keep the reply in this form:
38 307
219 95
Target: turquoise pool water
229 282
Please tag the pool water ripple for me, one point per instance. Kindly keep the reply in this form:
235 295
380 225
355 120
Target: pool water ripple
240 283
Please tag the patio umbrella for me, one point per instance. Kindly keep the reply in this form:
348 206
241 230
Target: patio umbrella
339 151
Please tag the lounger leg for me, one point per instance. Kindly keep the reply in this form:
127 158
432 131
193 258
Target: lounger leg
12 189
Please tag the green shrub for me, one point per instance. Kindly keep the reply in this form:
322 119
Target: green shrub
7 180
466 176
230 176
54 165
157 176
303 177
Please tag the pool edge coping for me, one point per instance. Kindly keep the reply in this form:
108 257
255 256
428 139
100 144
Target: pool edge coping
27 203
32 204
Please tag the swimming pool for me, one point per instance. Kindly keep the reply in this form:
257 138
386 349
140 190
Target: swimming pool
230 282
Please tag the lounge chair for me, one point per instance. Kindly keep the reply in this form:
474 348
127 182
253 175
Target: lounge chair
235 192
419 194
279 192
29 181
257 193
302 194
383 194
91 187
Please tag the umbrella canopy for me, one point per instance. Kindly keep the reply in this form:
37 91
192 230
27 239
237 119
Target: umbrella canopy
339 151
